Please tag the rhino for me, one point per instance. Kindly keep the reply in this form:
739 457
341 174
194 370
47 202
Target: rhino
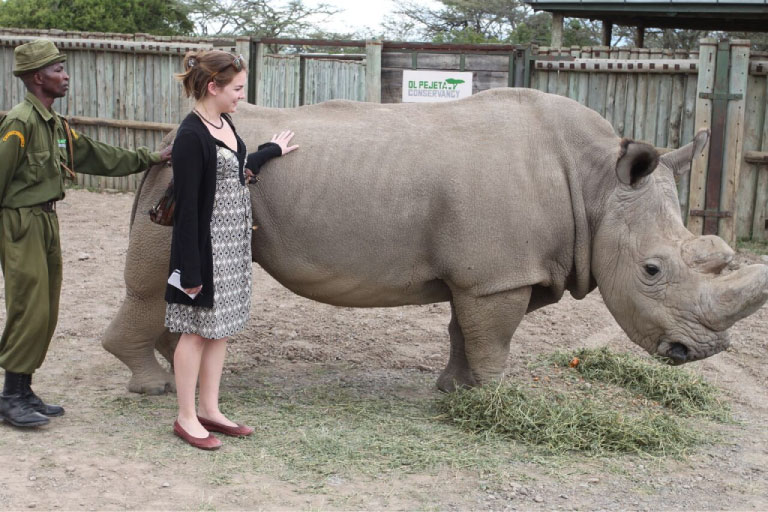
497 203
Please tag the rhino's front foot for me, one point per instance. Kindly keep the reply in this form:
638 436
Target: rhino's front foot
155 383
453 378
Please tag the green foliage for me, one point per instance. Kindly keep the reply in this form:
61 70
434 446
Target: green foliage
671 387
261 18
160 17
635 406
558 423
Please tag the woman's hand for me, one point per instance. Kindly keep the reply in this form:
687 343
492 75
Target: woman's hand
282 140
193 291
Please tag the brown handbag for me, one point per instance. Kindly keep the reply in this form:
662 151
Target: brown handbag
162 212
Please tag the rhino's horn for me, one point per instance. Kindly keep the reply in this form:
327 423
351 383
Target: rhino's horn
708 254
734 296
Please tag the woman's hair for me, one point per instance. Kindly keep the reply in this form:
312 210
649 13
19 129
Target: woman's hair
203 66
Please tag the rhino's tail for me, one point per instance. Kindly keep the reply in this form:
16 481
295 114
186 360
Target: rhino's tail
136 197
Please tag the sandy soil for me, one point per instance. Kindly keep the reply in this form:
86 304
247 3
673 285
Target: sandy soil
87 459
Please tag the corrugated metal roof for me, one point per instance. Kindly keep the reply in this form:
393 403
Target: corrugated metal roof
727 15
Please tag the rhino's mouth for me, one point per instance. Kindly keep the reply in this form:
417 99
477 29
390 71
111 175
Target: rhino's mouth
676 352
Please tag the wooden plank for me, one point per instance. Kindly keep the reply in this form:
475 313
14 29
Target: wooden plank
610 91
598 84
652 103
676 105
653 65
373 71
427 60
641 102
629 113
734 139
746 194
477 62
703 119
583 78
620 101
573 82
540 78
760 221
664 105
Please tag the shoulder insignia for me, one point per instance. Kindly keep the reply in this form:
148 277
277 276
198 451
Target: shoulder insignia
74 134
16 133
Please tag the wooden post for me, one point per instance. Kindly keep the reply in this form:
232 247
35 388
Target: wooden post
243 47
607 32
557 31
760 219
258 74
640 36
703 119
373 71
734 138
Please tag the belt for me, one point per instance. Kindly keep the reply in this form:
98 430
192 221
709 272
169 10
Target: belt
48 206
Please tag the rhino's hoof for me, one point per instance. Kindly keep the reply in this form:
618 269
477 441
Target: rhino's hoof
450 382
151 388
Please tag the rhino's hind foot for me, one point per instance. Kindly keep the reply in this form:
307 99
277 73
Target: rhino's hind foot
159 383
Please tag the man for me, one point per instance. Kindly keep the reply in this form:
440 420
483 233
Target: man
37 151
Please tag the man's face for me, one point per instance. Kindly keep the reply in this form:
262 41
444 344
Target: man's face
54 80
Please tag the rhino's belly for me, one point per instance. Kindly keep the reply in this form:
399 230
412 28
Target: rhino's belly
352 291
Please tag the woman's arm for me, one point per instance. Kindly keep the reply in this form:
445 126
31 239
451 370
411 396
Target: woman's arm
188 169
276 147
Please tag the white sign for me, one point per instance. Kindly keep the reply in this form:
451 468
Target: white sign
429 86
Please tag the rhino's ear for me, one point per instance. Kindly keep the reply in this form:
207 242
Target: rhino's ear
636 160
679 160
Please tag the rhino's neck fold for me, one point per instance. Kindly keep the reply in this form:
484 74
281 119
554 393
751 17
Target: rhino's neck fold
580 281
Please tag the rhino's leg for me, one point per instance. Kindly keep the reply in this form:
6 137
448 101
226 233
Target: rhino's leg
457 373
485 326
132 336
166 345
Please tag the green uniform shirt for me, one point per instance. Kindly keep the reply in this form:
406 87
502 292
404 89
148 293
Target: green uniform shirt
33 147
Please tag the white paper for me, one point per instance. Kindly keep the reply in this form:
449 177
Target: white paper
175 280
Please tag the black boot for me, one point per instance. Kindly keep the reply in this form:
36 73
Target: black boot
37 403
14 408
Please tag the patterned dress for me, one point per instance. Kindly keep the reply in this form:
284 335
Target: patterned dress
231 225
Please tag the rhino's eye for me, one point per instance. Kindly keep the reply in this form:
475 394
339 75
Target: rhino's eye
651 269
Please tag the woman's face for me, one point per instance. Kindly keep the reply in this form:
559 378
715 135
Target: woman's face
227 97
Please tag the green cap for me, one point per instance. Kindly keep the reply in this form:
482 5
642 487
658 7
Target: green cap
35 55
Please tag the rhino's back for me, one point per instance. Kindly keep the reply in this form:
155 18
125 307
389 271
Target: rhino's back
383 204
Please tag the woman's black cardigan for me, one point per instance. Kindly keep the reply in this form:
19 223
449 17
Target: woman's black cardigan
194 177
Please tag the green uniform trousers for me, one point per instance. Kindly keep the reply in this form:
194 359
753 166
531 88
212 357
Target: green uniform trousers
30 255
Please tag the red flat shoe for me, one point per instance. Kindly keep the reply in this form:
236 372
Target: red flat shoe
204 443
238 431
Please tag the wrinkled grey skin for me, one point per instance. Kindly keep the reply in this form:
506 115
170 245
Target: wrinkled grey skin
498 203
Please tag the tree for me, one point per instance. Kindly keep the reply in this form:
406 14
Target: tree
481 21
261 18
463 21
160 17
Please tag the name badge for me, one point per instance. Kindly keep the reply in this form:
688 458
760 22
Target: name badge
62 143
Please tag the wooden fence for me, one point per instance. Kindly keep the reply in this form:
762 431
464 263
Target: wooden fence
663 97
123 93
305 79
122 90
644 97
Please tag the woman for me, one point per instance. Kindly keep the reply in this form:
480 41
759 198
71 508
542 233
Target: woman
211 246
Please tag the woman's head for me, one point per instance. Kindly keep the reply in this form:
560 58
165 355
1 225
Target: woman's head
214 75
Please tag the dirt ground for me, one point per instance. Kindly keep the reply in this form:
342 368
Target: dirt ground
95 457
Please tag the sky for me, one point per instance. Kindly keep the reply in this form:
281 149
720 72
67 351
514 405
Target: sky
359 14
